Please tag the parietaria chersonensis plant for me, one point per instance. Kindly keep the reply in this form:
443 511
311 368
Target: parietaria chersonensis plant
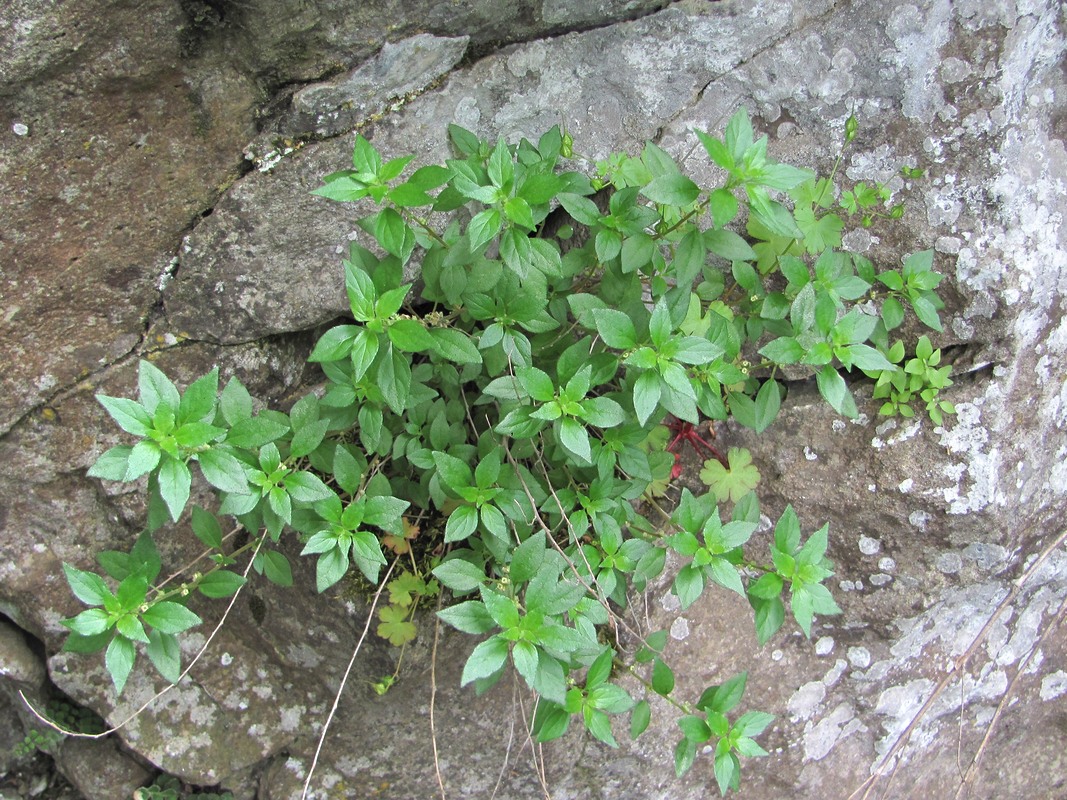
507 426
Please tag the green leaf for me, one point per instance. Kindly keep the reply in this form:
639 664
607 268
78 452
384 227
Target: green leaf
485 660
165 654
90 623
717 152
174 483
607 245
833 388
769 617
662 677
206 527
119 660
738 135
168 617
783 350
223 471
306 487
112 465
527 558
461 523
734 482
637 251
235 402
768 402
640 716
335 344
575 438
603 412
341 187
695 728
469 617
308 438
465 142
582 209
725 697
538 384
453 472
255 432
455 346
365 157
87 586
685 754
727 772
728 245
156 389
364 350
330 568
723 205
460 575
130 415
410 336
647 391
393 234
926 311
803 608
276 567
615 328
220 584
688 585
198 402
672 190
484 228
395 626
689 258
753 723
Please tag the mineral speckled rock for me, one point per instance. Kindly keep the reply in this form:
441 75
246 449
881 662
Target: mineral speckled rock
398 70
116 138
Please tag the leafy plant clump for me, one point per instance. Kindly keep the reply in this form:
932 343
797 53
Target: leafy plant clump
520 399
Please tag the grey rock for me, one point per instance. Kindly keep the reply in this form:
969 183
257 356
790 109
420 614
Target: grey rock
973 92
18 663
266 261
399 69
99 769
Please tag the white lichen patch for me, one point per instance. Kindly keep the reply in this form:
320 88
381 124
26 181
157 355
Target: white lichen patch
859 657
822 737
680 629
1054 685
919 519
869 545
824 646
949 563
899 705
805 700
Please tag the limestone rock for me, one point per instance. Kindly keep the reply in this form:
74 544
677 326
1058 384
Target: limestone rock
116 138
99 769
398 70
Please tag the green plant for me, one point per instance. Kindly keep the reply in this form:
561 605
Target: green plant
519 403
65 715
167 787
920 379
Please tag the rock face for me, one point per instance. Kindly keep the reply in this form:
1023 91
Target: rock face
135 226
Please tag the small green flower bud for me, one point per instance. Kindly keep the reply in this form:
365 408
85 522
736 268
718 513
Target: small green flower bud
566 149
851 126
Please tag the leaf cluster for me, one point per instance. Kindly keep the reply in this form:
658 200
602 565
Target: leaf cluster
520 393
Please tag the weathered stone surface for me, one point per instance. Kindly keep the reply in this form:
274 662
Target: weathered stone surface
99 769
19 665
398 70
245 274
930 527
